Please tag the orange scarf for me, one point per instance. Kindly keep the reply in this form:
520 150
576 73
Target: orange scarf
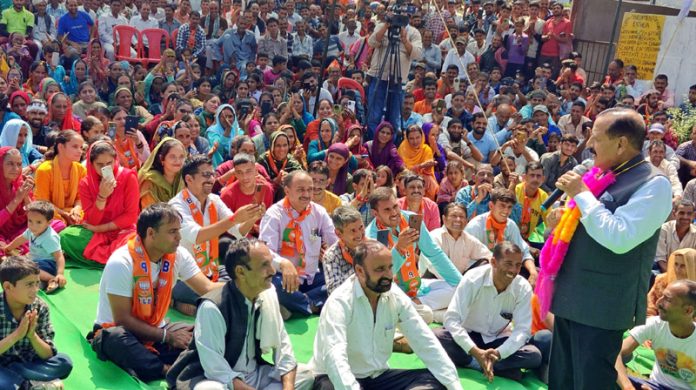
273 166
292 243
345 252
150 305
525 222
127 155
495 231
191 39
206 254
408 277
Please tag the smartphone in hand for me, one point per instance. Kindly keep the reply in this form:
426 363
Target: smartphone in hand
258 195
415 221
132 123
383 237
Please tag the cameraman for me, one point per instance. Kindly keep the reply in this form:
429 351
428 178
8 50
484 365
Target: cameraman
410 48
309 91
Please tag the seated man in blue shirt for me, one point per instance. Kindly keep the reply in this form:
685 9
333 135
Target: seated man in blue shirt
74 30
484 141
476 198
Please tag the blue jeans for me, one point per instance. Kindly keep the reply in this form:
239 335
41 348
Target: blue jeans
377 93
57 367
307 296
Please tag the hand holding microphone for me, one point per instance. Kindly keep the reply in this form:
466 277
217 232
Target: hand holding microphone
569 183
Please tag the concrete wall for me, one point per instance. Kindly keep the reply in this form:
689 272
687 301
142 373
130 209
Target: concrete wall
594 19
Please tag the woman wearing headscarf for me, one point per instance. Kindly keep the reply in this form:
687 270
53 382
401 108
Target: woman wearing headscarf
207 116
17 134
431 132
88 100
58 177
97 63
131 147
15 193
278 162
382 151
60 112
78 74
226 90
47 87
337 158
324 111
160 176
37 72
225 128
111 207
318 147
353 138
680 265
418 157
19 101
123 97
295 145
16 48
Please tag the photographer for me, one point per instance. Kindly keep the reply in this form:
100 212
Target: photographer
410 48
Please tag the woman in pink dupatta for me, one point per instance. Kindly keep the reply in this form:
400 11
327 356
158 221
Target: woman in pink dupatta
15 192
111 210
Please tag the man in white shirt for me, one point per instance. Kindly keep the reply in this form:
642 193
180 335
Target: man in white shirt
142 21
479 329
357 326
462 248
106 28
201 230
349 37
572 123
676 234
656 132
458 56
656 156
147 267
673 340
298 230
232 330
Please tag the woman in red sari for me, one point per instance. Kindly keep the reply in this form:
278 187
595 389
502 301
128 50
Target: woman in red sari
111 209
15 193
60 112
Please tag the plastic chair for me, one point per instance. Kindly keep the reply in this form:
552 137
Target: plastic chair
154 38
345 82
175 33
124 34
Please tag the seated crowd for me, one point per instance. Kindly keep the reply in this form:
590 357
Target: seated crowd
225 181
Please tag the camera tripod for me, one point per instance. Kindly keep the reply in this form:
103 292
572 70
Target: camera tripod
391 63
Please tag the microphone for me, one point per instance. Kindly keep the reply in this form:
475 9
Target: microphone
580 169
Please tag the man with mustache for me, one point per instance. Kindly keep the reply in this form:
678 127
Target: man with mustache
457 145
227 348
676 234
476 198
338 259
462 248
673 340
495 226
427 294
474 339
357 326
204 219
297 231
415 202
483 140
531 197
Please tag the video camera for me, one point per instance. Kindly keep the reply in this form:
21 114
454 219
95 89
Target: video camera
400 14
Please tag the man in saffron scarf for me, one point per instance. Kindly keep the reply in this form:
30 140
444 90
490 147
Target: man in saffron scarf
426 294
531 197
338 259
297 230
135 292
599 258
204 218
495 226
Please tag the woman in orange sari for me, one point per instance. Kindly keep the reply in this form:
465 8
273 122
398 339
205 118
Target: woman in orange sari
57 179
419 157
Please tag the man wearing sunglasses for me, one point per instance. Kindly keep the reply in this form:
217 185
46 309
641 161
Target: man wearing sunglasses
204 219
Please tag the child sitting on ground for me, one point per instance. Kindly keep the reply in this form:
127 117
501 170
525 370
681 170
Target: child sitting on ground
27 353
44 245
